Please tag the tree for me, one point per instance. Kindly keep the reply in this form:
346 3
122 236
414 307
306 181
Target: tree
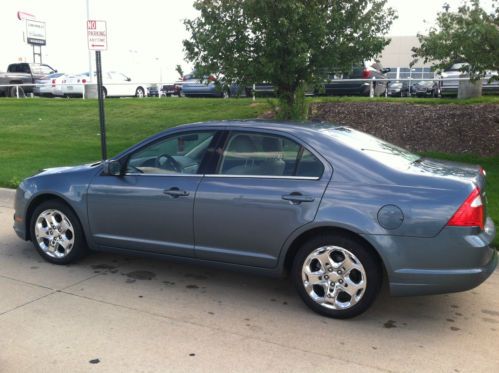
288 43
179 71
468 35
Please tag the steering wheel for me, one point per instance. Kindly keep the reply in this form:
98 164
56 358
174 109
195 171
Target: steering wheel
167 162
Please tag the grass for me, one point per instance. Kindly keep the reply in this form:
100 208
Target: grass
41 133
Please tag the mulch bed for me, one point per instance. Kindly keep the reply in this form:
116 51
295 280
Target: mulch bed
449 128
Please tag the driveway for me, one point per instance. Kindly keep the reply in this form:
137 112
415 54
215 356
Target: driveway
112 313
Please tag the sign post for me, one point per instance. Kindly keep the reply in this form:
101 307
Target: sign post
36 36
97 41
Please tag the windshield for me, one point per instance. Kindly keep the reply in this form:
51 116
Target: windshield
456 67
382 151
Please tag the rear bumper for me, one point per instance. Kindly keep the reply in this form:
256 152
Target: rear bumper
424 282
457 259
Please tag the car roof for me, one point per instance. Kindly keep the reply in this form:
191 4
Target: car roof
286 126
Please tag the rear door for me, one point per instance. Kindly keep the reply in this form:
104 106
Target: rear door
265 186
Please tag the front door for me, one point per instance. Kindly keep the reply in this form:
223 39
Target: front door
150 207
265 187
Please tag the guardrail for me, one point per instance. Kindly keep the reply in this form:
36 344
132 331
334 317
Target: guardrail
20 92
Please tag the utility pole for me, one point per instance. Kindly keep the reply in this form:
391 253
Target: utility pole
90 70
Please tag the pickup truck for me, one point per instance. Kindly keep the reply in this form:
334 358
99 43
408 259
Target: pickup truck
22 73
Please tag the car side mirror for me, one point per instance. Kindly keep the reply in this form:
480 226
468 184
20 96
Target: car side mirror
128 79
112 168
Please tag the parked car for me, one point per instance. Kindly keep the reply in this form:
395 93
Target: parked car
208 86
166 90
426 88
115 84
47 86
367 70
177 87
398 89
274 198
450 85
153 91
23 73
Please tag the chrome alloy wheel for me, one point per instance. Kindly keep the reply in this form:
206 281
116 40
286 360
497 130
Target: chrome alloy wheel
334 278
54 233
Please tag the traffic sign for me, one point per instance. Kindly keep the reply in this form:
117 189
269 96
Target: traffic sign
97 35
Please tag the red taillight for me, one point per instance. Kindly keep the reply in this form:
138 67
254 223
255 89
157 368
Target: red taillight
471 212
366 73
84 81
53 82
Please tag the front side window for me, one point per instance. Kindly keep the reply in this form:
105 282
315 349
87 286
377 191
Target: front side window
177 154
255 154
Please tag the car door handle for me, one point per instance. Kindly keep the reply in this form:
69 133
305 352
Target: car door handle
176 192
297 198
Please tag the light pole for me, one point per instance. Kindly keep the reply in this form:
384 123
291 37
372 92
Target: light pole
160 76
90 70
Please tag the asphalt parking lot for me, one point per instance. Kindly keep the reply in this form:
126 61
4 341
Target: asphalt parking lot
114 313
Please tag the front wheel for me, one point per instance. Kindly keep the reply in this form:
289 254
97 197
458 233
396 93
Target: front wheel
56 233
139 92
337 276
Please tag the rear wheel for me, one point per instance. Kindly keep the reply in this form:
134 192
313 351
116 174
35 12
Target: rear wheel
337 276
56 233
139 92
13 91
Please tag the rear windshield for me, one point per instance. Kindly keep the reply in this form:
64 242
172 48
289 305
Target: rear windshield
382 151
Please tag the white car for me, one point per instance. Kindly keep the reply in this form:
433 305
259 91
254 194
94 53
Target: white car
115 84
48 85
449 86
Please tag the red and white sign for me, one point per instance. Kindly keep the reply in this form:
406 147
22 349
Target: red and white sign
97 35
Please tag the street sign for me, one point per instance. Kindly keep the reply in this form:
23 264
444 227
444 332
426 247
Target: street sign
35 32
97 35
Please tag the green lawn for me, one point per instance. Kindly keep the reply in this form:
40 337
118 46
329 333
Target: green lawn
40 133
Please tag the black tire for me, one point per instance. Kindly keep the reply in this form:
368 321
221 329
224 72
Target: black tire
139 92
368 259
13 92
79 248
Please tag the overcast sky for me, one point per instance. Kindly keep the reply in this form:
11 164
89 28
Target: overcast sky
145 37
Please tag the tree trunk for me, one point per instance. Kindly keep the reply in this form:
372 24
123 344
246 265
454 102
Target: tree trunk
469 89
291 103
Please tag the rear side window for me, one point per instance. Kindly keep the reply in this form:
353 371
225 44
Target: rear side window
257 154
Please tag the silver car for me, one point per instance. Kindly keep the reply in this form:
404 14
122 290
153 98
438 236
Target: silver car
336 209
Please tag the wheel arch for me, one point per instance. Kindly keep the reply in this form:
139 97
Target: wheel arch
321 230
37 201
